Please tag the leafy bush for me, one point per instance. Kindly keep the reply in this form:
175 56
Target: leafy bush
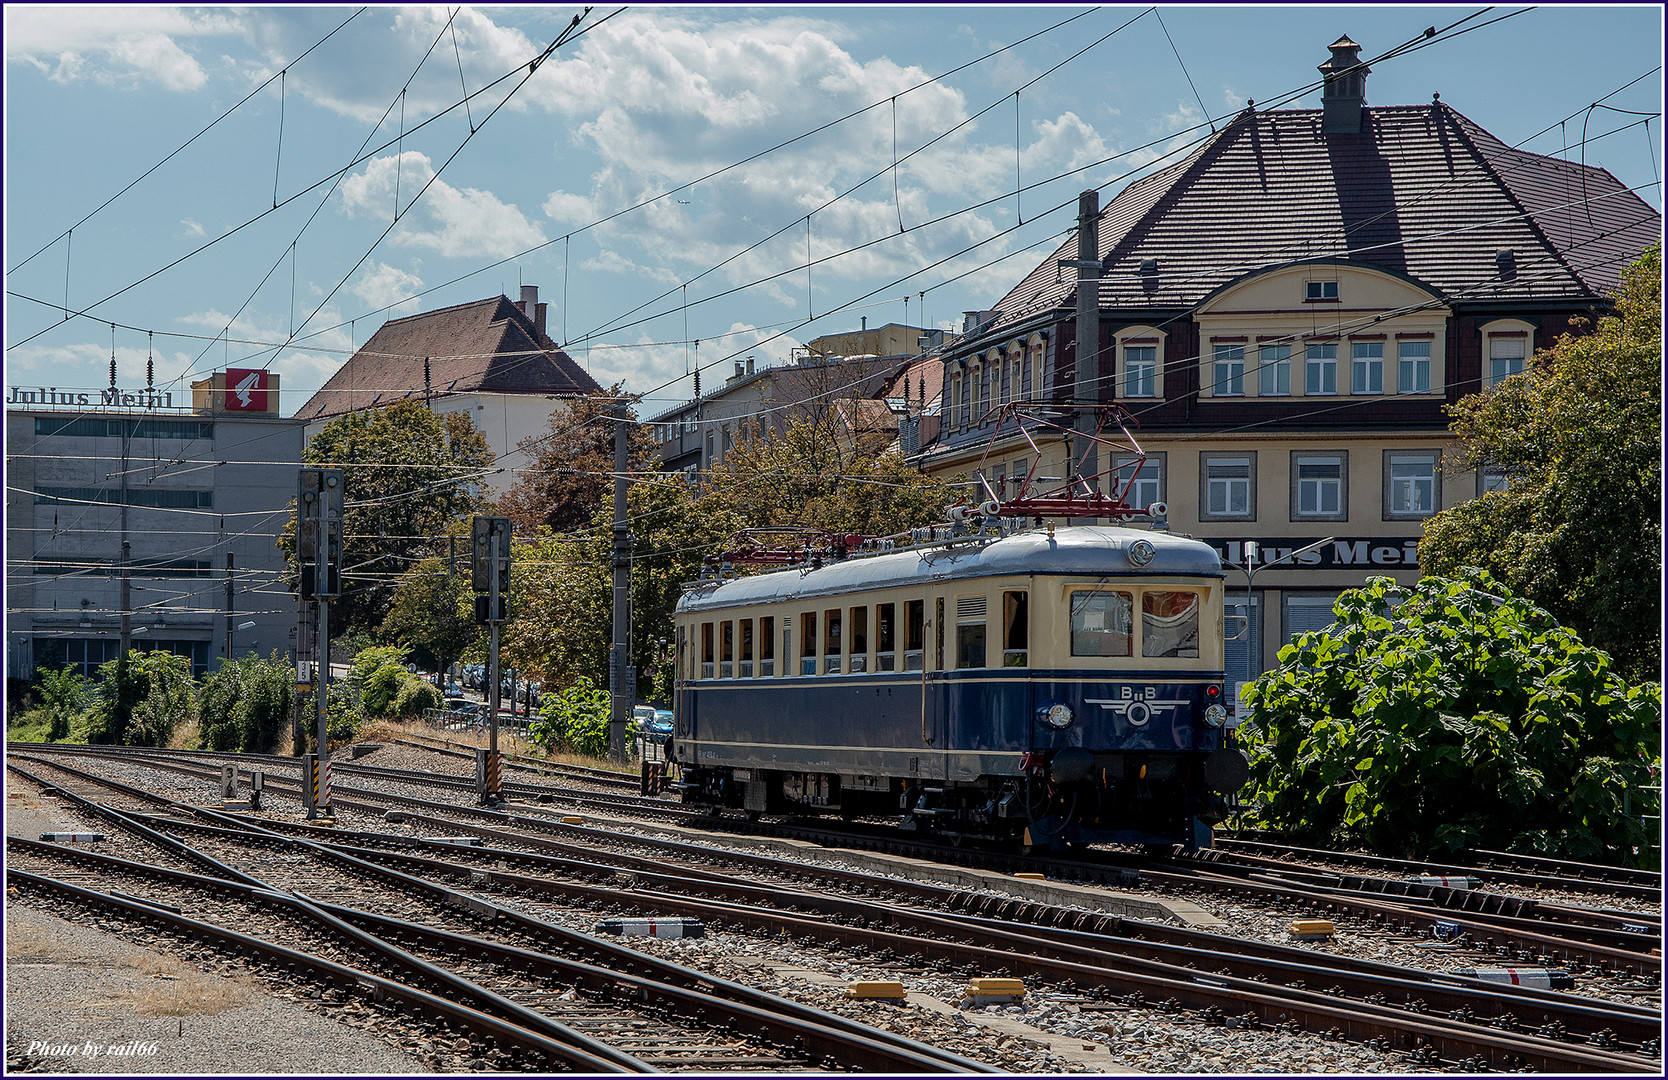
1448 715
66 695
246 704
575 720
416 697
142 698
28 725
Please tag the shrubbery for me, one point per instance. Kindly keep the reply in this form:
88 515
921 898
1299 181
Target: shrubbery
246 704
142 698
576 720
1450 714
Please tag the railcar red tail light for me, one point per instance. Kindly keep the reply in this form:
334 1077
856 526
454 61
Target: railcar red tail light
1213 692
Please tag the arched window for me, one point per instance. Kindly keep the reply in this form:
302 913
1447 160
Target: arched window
1507 346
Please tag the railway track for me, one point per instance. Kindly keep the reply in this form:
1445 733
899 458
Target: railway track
1084 958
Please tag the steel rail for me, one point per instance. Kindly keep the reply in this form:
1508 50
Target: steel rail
339 975
1616 880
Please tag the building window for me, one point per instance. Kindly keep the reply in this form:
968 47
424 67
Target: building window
1492 478
1308 614
1411 485
1228 489
1320 369
1274 370
1140 371
1025 379
962 392
1148 484
1228 379
1506 353
1319 486
1413 367
1320 290
1006 373
1367 367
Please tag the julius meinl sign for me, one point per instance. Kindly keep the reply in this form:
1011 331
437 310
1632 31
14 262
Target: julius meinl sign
114 397
1343 553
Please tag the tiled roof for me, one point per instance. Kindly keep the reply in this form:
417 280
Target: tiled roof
906 381
488 345
1421 191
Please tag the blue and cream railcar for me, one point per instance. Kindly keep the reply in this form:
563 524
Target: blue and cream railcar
1057 687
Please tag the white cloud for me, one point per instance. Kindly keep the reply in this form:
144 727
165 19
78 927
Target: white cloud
384 286
126 44
192 228
465 222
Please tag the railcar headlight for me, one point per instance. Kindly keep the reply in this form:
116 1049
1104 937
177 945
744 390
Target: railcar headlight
1058 717
1216 715
1141 552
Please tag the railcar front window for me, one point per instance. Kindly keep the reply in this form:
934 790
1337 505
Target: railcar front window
808 643
885 636
831 641
745 668
727 650
1101 623
1169 624
1016 629
859 640
767 645
706 650
914 634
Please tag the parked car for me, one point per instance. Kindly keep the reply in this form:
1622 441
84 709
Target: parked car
461 713
661 725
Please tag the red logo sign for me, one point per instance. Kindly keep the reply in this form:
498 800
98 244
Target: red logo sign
245 390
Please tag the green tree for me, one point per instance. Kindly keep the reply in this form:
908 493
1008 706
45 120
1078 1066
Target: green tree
245 704
1579 438
572 470
66 695
575 720
433 612
142 698
410 475
1450 714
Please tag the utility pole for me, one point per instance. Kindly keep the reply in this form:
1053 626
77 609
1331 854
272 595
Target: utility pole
319 550
127 550
619 693
489 567
230 612
1086 389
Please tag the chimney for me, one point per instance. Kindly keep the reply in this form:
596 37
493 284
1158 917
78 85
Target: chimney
865 324
529 301
1345 94
538 318
750 365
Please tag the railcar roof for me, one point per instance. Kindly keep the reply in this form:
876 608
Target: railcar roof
1095 550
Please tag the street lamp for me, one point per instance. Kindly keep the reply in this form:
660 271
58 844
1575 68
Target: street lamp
1252 550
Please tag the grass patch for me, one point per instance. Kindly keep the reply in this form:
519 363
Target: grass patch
164 987
31 725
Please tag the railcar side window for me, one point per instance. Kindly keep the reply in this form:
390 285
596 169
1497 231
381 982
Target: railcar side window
808 643
914 633
831 640
885 636
859 638
745 670
706 650
767 645
1016 629
1169 623
1101 622
726 649
970 631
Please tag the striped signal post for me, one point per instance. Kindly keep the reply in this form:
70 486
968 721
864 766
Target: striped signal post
323 786
495 777
310 784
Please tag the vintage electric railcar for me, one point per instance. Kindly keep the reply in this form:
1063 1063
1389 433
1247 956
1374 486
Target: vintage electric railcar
1056 687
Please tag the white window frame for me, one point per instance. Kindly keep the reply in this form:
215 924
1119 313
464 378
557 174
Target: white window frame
1366 368
1140 371
1396 488
1274 370
1319 486
1320 371
1210 486
1228 370
1413 372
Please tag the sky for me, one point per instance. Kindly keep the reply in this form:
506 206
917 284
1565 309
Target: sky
265 186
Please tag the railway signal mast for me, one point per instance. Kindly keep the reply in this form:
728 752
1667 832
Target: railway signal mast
489 567
319 553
